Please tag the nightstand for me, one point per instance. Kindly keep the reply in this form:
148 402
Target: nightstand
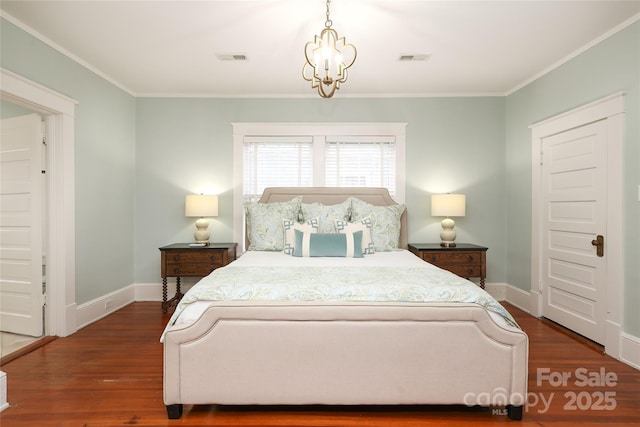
465 260
181 260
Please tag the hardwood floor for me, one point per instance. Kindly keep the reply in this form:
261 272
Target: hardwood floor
110 374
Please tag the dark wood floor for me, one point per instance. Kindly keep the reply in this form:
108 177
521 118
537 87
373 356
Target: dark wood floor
110 374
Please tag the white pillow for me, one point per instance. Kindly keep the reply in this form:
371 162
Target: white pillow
363 225
290 227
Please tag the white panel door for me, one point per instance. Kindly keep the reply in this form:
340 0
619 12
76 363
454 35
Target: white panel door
574 183
21 224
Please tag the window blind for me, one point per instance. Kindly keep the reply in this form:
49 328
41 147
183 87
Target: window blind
361 161
276 161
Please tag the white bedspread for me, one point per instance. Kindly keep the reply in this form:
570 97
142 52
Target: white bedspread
396 276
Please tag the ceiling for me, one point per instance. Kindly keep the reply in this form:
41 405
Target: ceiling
172 48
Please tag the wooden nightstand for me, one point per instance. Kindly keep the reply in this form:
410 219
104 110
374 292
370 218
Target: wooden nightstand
181 260
465 260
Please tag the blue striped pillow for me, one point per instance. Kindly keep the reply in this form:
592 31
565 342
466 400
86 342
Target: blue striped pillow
328 245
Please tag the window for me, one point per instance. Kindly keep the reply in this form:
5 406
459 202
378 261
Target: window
360 162
276 162
323 154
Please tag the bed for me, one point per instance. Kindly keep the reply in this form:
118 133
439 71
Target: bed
375 325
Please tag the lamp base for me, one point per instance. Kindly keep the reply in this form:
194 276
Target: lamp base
448 234
202 233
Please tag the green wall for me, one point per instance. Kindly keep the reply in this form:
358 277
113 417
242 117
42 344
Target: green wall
610 67
185 145
104 160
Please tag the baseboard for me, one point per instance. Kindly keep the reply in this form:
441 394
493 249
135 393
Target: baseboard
518 298
153 291
98 308
148 292
630 350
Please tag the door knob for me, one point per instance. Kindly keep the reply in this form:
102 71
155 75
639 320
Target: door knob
598 242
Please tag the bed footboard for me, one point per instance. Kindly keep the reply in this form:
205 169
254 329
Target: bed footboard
345 354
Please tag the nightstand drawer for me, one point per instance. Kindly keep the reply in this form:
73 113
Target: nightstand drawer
209 257
452 258
190 268
192 262
465 270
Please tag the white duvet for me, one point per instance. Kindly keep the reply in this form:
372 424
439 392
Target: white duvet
396 276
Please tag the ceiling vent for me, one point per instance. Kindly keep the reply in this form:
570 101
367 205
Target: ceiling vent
415 57
232 56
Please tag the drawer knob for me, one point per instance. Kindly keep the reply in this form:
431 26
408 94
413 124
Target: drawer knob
433 257
470 258
176 257
212 258
176 270
470 270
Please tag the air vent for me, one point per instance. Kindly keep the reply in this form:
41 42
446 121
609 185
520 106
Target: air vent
415 57
232 56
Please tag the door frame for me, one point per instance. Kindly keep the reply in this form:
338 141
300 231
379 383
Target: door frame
58 111
611 109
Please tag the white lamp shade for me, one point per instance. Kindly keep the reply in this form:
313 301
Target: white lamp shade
448 205
200 205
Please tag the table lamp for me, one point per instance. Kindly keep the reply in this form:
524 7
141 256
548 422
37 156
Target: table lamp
448 205
202 206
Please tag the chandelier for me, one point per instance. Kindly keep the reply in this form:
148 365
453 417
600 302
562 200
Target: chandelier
328 58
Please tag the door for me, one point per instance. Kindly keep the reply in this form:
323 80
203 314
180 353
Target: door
21 224
574 211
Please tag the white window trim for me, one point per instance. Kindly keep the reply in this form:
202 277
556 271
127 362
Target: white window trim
240 130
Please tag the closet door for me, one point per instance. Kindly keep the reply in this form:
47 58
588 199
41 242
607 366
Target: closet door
574 219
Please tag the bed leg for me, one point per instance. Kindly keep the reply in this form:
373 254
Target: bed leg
514 412
174 411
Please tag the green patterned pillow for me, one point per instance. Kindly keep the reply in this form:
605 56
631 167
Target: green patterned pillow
328 245
385 230
264 223
327 214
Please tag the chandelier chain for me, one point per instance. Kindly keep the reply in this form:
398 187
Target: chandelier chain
328 23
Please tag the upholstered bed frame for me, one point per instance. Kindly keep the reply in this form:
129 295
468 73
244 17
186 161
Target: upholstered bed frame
252 353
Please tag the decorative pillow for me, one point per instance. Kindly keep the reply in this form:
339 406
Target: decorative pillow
289 228
329 245
363 225
264 223
385 232
327 214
